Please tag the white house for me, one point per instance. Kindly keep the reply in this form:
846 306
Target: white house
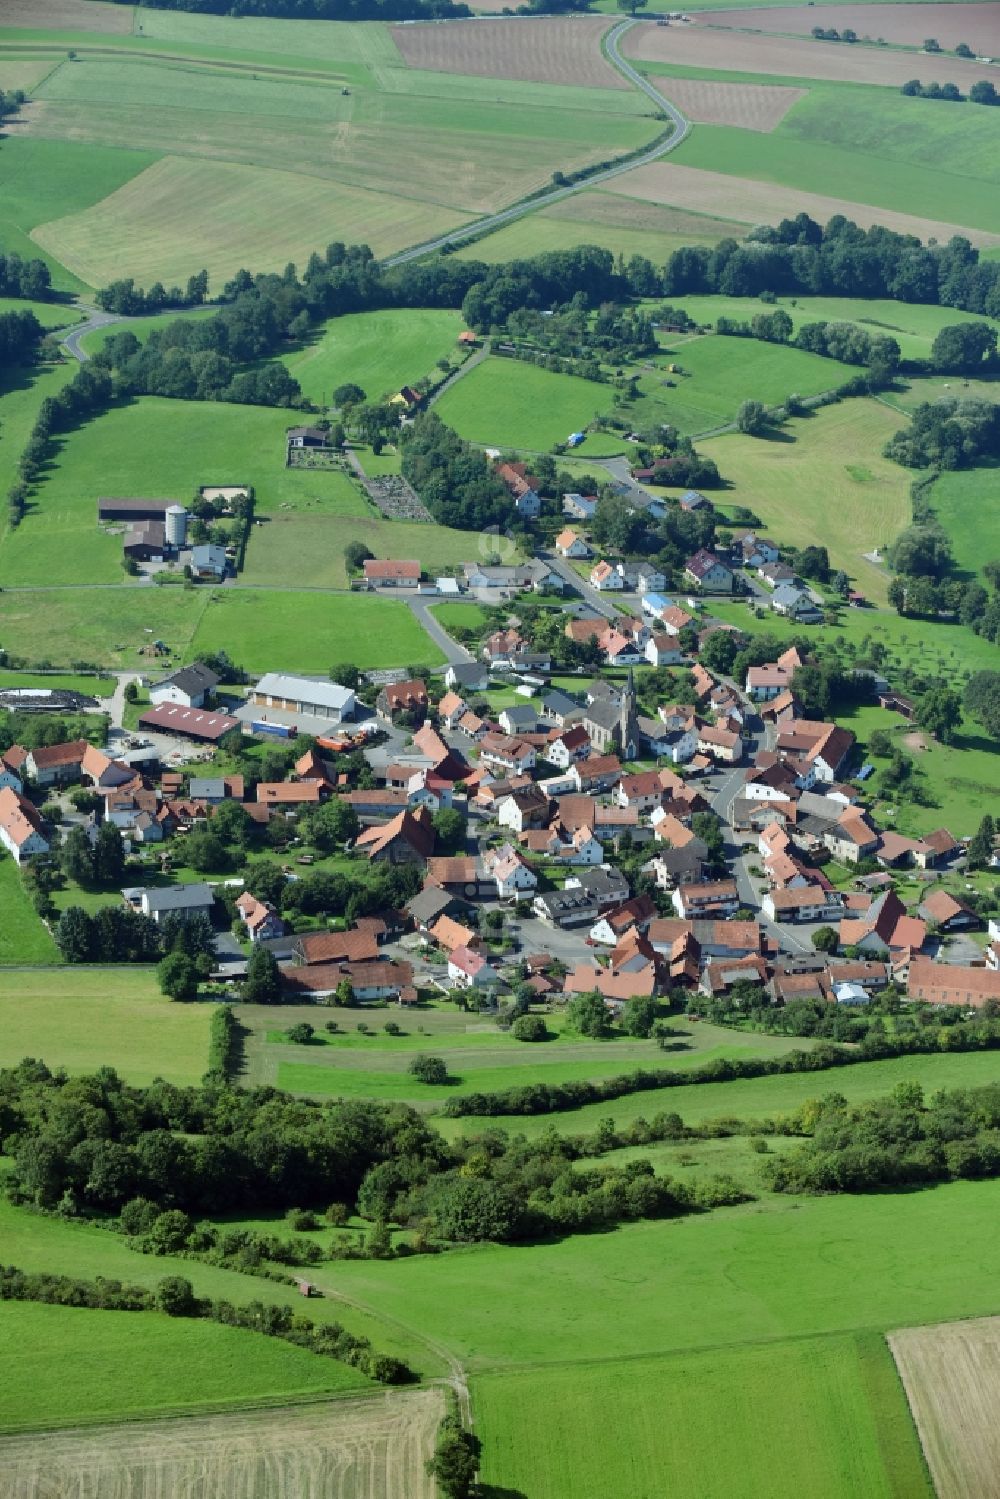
583 848
570 543
709 572
470 970
187 688
572 745
606 579
514 876
20 827
579 506
663 650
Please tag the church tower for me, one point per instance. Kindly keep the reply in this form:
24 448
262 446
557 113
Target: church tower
628 727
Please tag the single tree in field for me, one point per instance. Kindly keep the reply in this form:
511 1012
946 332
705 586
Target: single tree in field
427 1069
751 418
632 5
177 976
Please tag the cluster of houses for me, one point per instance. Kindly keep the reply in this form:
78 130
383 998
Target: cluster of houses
156 531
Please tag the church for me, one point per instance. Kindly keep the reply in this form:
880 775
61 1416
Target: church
611 721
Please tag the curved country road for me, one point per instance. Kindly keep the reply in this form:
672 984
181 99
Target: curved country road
681 130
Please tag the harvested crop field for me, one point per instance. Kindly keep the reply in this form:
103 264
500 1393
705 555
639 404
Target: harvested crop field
754 202
752 106
566 49
67 15
790 57
371 1448
904 25
951 1375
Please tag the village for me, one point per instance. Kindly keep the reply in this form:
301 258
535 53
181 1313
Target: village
544 829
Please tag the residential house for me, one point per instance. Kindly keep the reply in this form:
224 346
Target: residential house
570 543
725 745
261 920
884 929
605 578
620 649
709 572
450 934
524 809
806 903
451 708
947 912
571 745
795 603
693 499
755 550
596 773
513 874
209 561
307 437
469 969
708 898
188 687
633 915
461 875
522 487
641 577
674 620
663 650
643 790
467 677
775 573
55 764
391 573
579 506
585 897
507 753
504 648
21 827
184 900
407 839
407 699
520 719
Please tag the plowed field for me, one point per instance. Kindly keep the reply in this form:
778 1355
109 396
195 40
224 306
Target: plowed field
372 1448
66 15
565 49
792 57
751 106
906 25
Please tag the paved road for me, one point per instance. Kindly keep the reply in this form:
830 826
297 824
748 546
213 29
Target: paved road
455 654
94 319
464 369
682 128
597 601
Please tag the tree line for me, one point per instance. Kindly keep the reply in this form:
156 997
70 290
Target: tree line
25 278
319 10
981 92
129 300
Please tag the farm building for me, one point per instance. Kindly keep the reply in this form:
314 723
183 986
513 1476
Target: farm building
188 723
306 437
311 695
118 510
187 687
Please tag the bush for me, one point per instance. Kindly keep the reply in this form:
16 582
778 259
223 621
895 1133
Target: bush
176 1297
529 1028
431 1070
301 1220
302 1034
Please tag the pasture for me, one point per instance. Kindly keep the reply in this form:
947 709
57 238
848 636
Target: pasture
83 1018
377 1446
23 937
308 551
951 1375
822 479
715 374
272 630
380 351
599 218
707 1423
109 626
966 505
22 391
913 325
506 403
184 1366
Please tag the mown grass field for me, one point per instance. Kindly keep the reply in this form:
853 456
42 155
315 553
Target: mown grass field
141 326
506 403
717 373
912 324
822 479
22 391
156 448
599 218
23 938
380 351
84 1018
49 314
64 1366
966 505
849 172
708 1423
311 632
308 550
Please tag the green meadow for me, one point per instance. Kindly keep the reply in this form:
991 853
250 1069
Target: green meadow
22 391
307 551
621 225
965 502
707 1423
506 403
847 172
380 351
715 373
183 1366
23 937
84 1018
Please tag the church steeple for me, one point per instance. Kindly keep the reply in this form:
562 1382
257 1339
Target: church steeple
628 728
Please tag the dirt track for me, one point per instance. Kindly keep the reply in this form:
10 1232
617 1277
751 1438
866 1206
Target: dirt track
372 1448
951 1375
906 25
753 202
751 106
564 49
67 15
792 57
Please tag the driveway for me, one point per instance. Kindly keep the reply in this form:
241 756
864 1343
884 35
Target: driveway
455 654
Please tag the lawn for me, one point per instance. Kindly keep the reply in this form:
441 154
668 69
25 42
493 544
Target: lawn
717 373
184 1366
308 551
851 173
49 314
822 479
380 351
84 1018
912 324
469 616
311 632
23 937
831 1410
506 403
109 627
154 447
67 682
965 503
